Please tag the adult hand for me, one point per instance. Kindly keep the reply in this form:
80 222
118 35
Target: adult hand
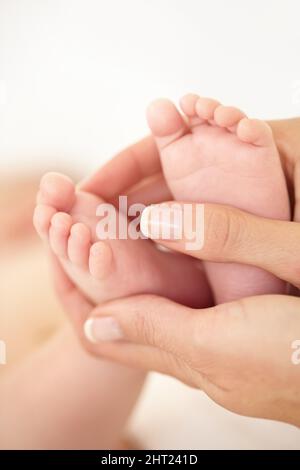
244 355
239 353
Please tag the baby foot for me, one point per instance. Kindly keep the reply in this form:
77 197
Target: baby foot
216 154
106 269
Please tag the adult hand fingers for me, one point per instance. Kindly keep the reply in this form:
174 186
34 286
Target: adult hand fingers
126 169
223 234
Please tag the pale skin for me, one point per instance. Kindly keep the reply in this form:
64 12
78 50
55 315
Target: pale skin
57 399
141 177
107 269
104 270
218 341
228 158
52 393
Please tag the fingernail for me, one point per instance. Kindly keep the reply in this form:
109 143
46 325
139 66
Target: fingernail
101 329
162 222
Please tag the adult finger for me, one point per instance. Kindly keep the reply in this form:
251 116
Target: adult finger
206 348
224 234
151 333
149 191
147 320
126 169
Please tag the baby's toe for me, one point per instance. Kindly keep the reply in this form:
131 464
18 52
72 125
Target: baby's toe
79 245
100 260
58 191
165 122
205 108
228 116
42 219
59 233
254 131
188 104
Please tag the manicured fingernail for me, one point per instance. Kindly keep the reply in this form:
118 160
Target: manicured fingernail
101 329
162 222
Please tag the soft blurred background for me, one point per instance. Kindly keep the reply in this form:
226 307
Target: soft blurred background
75 78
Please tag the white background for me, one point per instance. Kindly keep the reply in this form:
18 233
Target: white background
75 78
76 75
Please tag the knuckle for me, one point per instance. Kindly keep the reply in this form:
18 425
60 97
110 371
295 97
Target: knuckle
209 326
144 327
225 230
150 322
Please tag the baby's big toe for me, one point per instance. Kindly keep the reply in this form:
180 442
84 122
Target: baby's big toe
57 190
165 122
